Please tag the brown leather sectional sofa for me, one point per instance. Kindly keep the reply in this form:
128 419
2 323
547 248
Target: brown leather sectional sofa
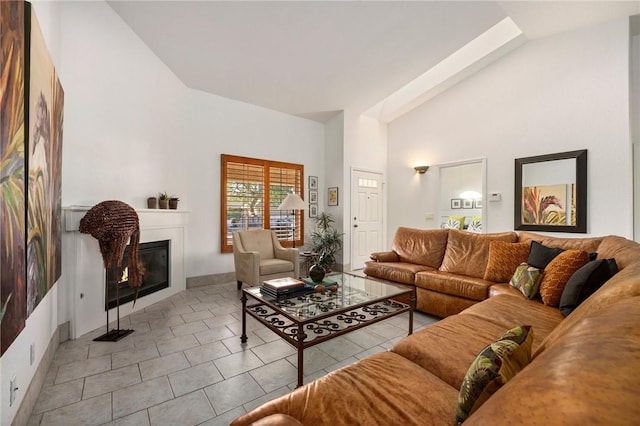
585 368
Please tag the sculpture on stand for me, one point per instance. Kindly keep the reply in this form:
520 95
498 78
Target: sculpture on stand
113 224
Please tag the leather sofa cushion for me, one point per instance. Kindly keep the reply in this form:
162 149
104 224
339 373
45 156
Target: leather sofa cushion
455 285
400 272
440 304
448 347
502 311
590 245
420 246
508 289
382 389
467 253
623 285
590 376
622 250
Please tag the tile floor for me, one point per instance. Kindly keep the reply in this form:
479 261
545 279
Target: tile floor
185 365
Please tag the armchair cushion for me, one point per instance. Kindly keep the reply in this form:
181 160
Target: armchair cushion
258 256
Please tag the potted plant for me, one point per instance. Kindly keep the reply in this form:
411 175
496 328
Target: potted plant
326 241
152 203
173 202
164 200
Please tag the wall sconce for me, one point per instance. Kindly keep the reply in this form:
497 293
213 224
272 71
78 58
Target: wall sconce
421 169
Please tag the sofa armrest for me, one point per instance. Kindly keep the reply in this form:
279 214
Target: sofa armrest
247 265
385 256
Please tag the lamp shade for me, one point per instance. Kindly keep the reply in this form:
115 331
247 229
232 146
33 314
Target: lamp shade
292 202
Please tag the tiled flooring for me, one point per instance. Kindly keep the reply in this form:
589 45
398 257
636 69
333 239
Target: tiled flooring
185 365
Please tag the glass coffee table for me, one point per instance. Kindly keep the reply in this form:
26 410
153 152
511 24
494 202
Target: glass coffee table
308 318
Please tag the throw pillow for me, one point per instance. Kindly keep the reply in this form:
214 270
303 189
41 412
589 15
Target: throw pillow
586 281
504 258
475 225
540 255
455 222
493 367
527 280
558 272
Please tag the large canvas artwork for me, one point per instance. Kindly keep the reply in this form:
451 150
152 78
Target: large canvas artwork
13 289
44 144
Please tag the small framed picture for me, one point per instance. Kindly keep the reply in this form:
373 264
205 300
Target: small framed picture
456 203
333 196
313 210
313 182
313 197
467 204
477 204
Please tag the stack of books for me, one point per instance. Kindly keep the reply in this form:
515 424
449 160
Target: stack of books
283 286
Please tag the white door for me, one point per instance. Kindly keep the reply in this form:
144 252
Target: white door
366 216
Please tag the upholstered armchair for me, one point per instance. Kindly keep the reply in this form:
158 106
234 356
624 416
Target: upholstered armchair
258 256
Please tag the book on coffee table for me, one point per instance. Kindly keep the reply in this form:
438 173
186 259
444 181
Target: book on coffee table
286 292
281 284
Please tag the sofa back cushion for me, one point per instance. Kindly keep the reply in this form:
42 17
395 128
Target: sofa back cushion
624 251
590 245
420 246
467 253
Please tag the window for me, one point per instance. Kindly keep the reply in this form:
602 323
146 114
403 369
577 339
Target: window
247 204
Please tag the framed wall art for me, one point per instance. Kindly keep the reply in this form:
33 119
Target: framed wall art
333 196
467 204
456 203
313 210
551 192
313 182
313 197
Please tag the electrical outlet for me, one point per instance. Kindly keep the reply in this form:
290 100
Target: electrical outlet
13 389
32 353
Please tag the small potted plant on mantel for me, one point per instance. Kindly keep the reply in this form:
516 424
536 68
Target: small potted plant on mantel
164 200
152 203
173 202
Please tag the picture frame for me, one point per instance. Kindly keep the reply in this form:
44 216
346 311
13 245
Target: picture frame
313 210
557 185
332 198
313 197
456 203
467 203
313 182
477 204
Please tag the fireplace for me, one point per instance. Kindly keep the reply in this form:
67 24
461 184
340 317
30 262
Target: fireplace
155 259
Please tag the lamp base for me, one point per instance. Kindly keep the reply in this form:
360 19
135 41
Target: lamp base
113 335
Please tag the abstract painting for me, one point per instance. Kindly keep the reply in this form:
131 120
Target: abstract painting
545 205
46 100
13 291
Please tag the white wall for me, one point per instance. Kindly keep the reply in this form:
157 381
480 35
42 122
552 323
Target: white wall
562 93
221 126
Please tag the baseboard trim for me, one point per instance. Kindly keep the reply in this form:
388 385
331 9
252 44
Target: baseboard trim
202 280
33 391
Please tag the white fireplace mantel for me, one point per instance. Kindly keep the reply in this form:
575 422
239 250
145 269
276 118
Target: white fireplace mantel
85 273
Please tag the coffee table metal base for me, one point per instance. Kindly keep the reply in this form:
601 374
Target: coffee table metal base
304 334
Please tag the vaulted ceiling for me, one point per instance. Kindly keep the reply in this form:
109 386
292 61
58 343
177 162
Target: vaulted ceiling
312 59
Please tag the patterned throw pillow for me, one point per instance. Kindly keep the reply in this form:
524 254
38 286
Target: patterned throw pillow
475 225
527 280
504 258
494 366
558 272
454 222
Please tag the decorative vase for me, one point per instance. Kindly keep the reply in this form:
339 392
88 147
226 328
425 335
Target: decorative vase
316 273
164 204
173 204
152 203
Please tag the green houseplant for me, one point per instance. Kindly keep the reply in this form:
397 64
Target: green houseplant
163 200
326 241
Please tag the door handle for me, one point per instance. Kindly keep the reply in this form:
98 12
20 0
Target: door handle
355 225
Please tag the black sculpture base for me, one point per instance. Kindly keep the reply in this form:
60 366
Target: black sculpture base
113 335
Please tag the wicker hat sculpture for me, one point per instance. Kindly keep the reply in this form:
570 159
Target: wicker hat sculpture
113 223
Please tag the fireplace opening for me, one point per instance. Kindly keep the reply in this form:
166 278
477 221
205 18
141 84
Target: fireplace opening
155 258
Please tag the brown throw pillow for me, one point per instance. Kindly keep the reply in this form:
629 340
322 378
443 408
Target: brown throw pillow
558 272
504 258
